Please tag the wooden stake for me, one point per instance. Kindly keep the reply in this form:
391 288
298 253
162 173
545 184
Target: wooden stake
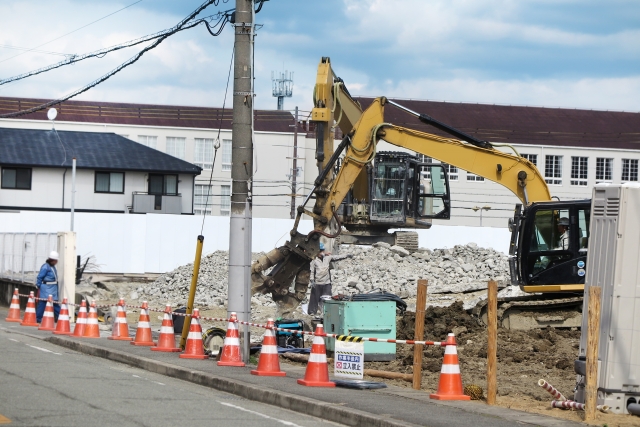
421 303
492 342
593 333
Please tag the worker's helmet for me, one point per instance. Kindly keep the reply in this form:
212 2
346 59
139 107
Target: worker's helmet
321 246
564 221
54 255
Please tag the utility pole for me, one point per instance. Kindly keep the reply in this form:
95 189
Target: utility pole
242 169
294 172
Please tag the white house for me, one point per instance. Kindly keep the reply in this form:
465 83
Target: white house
187 133
114 174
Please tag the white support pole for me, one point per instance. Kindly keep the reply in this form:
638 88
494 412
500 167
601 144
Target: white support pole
67 268
73 190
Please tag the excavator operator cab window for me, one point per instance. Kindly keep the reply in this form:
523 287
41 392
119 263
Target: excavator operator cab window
388 192
583 230
551 240
433 198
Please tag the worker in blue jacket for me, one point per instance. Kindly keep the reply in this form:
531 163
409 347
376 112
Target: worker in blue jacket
47 284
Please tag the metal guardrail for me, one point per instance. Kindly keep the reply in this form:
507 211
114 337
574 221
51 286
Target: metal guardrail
22 254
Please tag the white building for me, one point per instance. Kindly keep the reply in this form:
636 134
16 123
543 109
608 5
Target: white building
188 133
573 149
114 174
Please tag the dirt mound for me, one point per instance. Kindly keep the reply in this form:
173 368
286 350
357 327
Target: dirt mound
438 322
523 356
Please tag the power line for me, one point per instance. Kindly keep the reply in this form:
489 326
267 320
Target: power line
72 59
119 68
6 46
78 29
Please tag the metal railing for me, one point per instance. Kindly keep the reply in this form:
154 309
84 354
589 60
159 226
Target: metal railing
22 254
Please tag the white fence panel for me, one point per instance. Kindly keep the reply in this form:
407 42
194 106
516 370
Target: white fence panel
154 243
22 254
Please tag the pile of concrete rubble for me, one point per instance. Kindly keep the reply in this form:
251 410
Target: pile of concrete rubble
462 269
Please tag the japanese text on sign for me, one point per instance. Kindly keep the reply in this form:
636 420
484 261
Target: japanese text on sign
349 360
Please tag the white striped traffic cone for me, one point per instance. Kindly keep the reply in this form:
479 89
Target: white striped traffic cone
317 373
120 330
63 327
231 355
194 348
269 362
29 318
167 339
14 308
450 383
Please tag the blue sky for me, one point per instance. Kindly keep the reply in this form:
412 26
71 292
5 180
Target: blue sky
575 54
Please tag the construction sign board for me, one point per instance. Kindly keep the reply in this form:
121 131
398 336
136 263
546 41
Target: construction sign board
349 359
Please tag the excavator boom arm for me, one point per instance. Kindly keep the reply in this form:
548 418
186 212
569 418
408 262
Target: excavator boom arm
511 171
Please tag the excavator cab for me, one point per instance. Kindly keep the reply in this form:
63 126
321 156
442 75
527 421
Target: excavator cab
401 187
550 240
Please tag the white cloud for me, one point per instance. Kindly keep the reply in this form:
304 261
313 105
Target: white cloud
365 36
599 94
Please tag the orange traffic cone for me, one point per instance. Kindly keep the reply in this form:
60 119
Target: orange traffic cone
317 373
91 329
269 362
48 322
14 308
231 355
63 327
450 384
194 349
81 320
120 330
30 313
143 333
167 340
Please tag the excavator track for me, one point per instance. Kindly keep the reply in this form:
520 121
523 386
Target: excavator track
407 240
534 312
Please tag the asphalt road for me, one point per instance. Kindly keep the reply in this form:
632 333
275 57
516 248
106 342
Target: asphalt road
45 385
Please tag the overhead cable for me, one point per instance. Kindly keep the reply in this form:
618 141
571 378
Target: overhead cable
71 32
122 66
72 59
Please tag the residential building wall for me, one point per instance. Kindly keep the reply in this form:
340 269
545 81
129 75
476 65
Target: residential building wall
272 161
48 185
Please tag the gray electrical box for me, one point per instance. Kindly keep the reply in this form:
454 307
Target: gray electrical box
614 264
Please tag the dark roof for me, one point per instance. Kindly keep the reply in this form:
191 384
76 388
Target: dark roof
524 125
147 114
93 150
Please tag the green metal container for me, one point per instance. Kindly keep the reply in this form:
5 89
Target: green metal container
371 319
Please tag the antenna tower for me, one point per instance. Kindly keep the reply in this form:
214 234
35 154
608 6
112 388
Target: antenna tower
282 83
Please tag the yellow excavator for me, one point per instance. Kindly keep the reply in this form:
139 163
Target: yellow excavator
368 193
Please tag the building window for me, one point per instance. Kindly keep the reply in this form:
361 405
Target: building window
225 200
204 153
165 185
474 177
629 170
533 158
579 171
424 159
175 147
149 141
202 200
109 182
16 178
452 171
604 170
226 154
553 170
